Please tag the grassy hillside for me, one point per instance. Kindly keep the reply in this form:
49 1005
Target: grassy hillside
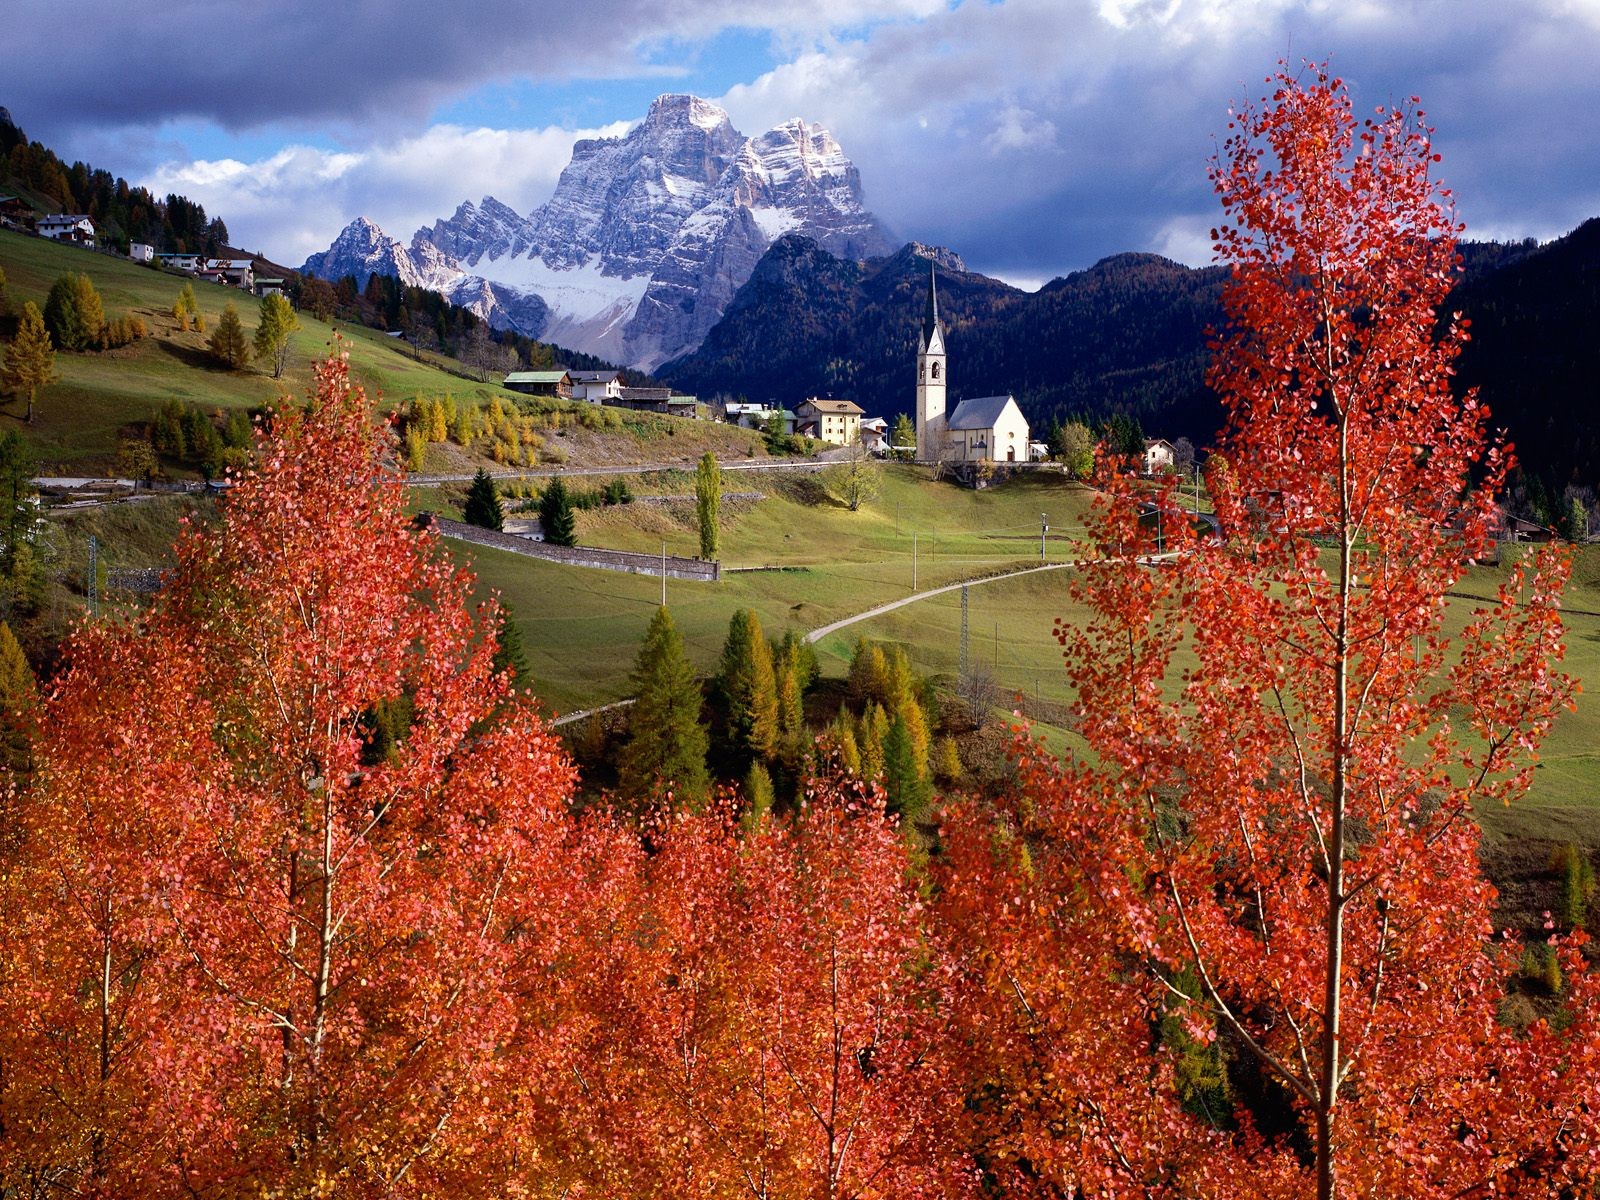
104 395
817 563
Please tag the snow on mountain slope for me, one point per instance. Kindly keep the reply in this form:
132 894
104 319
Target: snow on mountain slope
645 239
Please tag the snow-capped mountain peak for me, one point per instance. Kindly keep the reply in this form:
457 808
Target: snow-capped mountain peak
646 237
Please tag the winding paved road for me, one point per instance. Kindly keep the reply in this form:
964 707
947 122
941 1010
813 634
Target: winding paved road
818 634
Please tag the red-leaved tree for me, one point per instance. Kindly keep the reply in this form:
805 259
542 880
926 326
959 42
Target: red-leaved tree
1265 866
770 1024
281 843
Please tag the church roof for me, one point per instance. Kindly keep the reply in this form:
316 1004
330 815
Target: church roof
979 413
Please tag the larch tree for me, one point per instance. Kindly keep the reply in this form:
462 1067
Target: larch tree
1282 832
227 342
747 693
73 312
708 503
275 324
666 747
297 947
30 363
186 308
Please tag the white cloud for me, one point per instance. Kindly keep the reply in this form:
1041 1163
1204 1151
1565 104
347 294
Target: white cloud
294 202
1020 129
1185 239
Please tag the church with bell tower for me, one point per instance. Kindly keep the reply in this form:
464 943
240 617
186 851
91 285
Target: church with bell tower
986 429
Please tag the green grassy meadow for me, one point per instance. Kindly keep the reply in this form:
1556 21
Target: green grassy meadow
581 627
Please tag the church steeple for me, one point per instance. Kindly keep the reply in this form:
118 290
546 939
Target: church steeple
932 329
931 378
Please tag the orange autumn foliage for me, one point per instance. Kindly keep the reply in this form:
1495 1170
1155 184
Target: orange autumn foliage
295 949
1270 851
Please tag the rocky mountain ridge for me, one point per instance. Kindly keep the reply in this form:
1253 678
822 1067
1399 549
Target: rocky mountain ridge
645 240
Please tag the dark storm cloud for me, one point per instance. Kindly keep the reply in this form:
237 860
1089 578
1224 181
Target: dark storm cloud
358 65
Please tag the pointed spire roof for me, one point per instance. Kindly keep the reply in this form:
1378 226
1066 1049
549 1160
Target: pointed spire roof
930 320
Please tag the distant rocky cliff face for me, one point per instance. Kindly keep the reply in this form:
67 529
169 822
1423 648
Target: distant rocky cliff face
645 240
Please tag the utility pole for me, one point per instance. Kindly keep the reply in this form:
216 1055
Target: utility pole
92 591
1044 528
963 632
663 572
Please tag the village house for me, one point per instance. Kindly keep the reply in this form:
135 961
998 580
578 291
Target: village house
657 400
751 415
189 264
14 210
837 422
235 272
875 434
988 429
540 383
141 252
596 387
1158 456
643 399
68 227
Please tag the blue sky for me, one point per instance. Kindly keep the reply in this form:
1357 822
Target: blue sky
1032 136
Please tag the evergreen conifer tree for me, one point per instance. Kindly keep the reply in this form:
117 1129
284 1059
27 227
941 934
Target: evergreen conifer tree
509 653
905 781
666 744
228 341
18 513
483 504
30 359
903 434
556 517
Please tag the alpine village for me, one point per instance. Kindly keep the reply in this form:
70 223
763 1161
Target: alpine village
681 692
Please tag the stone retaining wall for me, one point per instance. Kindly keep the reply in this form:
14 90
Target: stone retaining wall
583 556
